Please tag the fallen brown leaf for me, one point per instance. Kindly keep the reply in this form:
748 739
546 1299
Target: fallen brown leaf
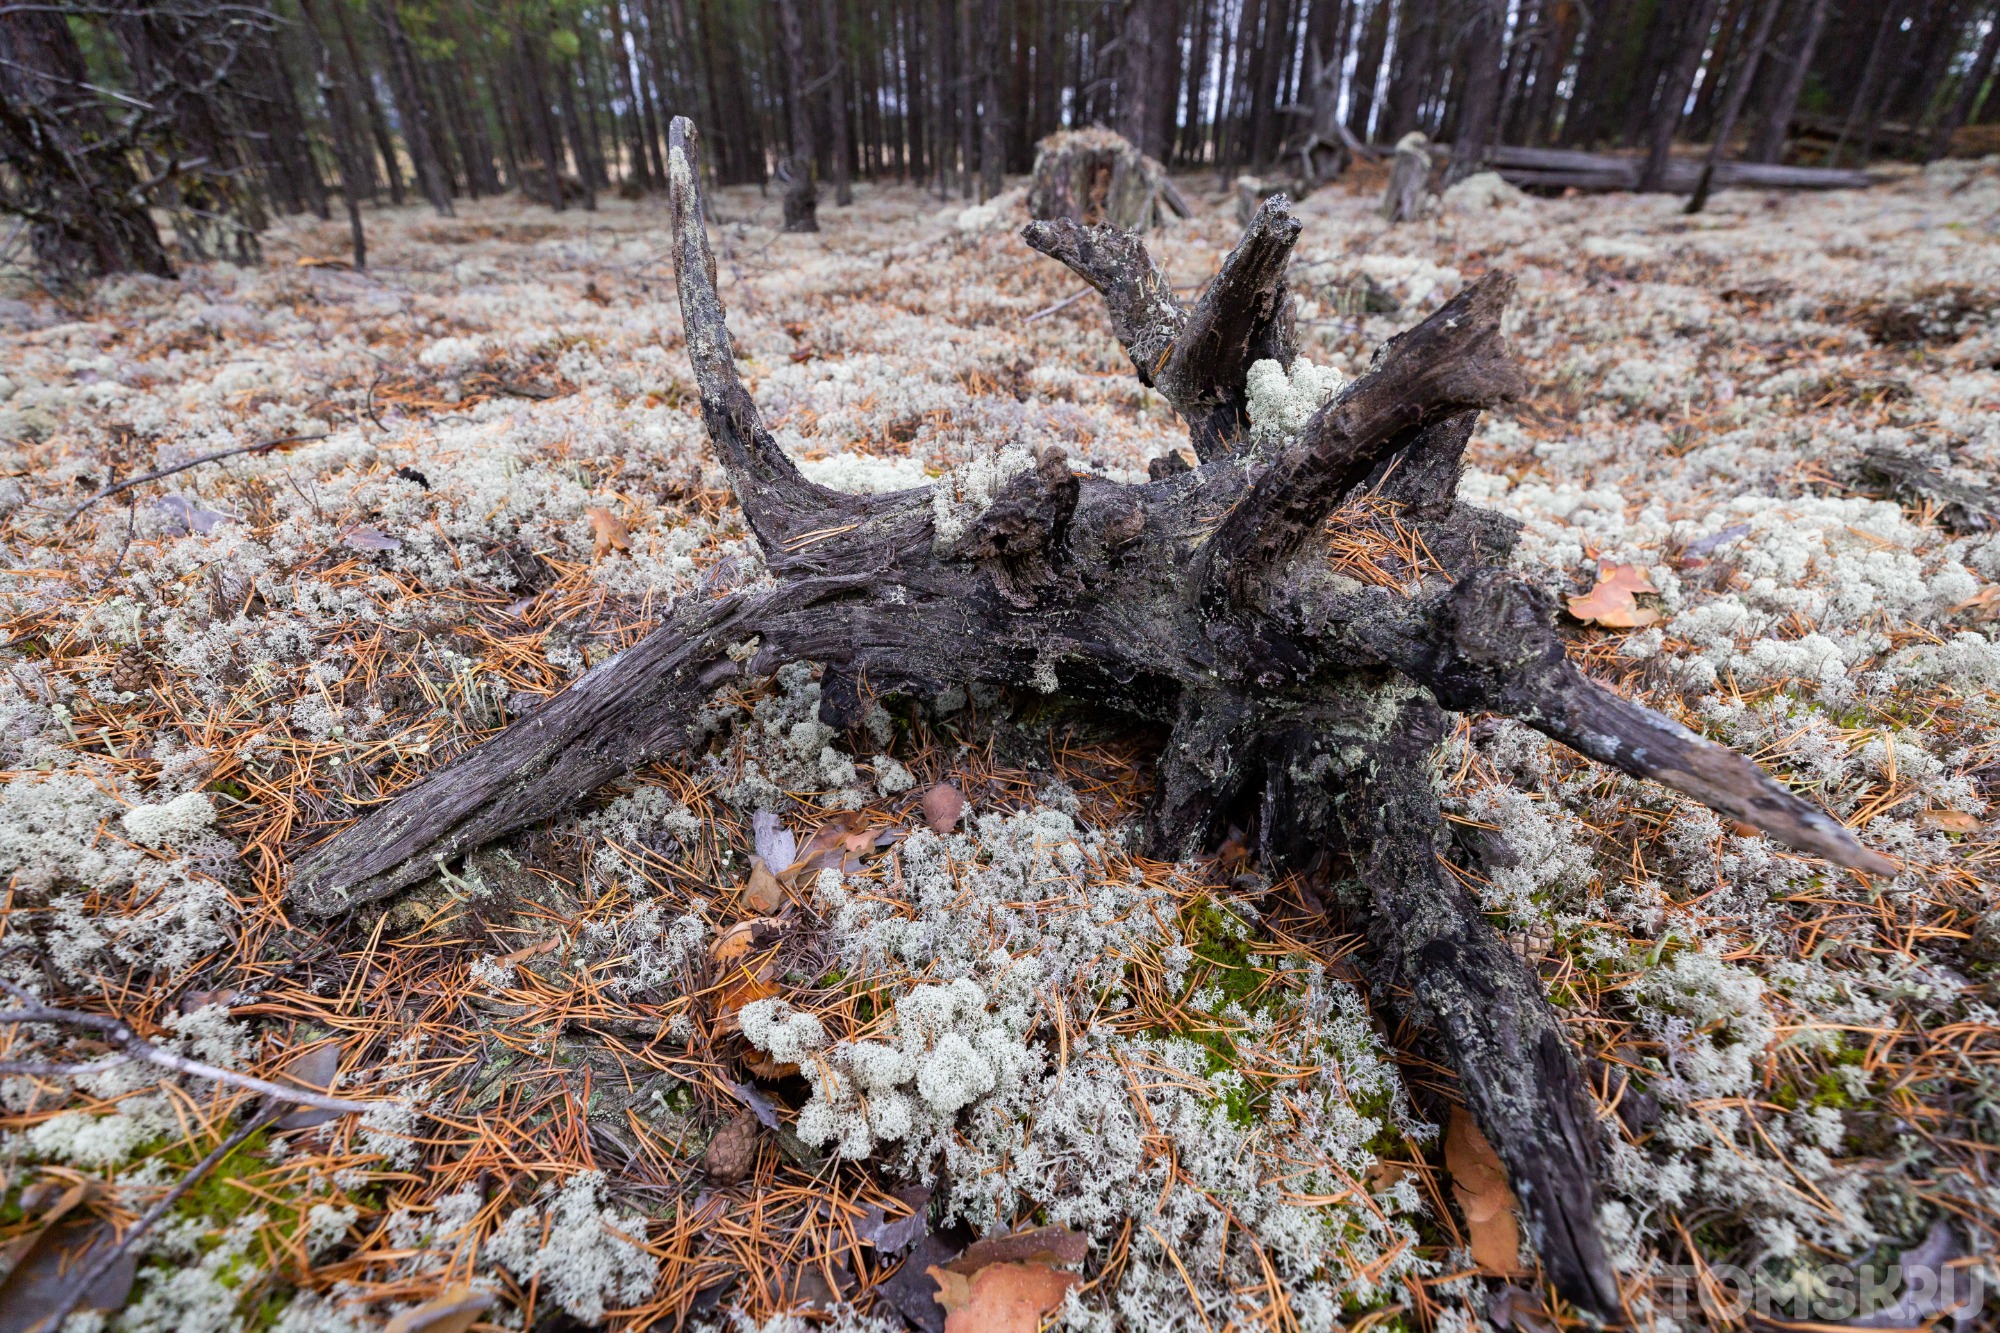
954 1290
767 1068
452 1310
943 804
737 941
313 1070
763 893
606 533
1952 821
1982 605
1479 1183
201 999
522 955
838 844
746 977
1612 603
1041 1245
44 1262
1000 1298
367 537
739 992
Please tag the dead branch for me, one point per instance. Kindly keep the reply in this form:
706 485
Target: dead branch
134 1047
113 1253
130 482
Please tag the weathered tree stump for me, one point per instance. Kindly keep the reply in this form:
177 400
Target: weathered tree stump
1409 179
1301 704
1094 176
534 180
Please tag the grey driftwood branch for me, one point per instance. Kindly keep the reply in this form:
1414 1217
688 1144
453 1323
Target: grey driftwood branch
131 1046
1298 702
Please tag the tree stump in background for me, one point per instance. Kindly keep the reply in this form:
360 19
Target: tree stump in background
1409 179
538 185
800 198
1094 176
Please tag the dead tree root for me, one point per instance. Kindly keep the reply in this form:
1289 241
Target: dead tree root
1203 600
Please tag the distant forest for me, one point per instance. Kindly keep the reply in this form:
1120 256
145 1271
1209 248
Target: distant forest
218 114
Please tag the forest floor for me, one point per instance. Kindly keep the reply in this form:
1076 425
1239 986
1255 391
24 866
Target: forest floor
504 478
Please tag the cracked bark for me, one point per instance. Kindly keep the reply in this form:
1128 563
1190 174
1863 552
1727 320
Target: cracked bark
1198 600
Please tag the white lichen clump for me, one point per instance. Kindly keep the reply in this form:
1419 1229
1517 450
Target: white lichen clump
994 937
944 1048
170 822
1280 402
588 1257
970 490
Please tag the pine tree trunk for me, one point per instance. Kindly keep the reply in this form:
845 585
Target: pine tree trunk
639 112
801 198
290 142
1136 112
447 137
1860 110
1482 89
415 115
1674 94
1778 118
579 142
968 103
541 122
992 120
837 101
1569 40
588 102
1368 66
1416 54
67 173
1970 84
1739 94
347 146
378 123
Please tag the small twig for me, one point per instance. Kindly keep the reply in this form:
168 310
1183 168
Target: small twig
46 1069
81 1287
118 486
1063 304
136 1047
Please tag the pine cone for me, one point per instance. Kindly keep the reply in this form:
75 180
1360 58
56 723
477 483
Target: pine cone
732 1153
133 671
1534 943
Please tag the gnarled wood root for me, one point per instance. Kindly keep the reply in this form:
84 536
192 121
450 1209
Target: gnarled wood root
1203 600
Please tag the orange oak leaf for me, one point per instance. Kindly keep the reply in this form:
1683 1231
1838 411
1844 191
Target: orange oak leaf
943 804
1000 1298
763 893
1612 603
607 532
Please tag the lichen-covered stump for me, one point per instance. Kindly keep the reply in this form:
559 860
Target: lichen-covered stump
1093 175
1301 703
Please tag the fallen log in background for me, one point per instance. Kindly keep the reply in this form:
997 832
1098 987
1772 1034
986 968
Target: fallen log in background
1564 168
1299 703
